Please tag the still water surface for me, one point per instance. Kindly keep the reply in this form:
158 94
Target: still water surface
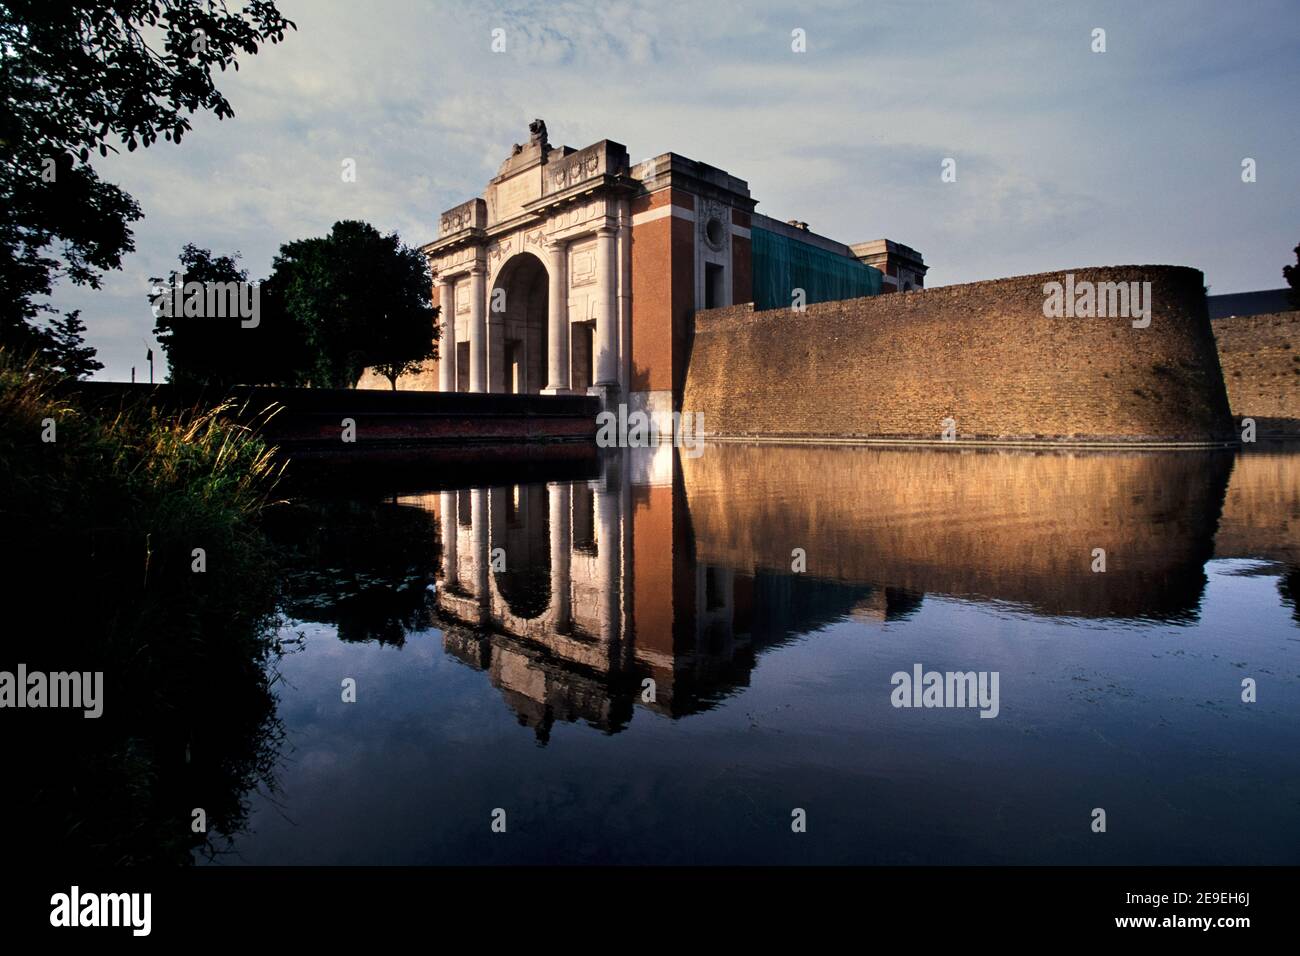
520 678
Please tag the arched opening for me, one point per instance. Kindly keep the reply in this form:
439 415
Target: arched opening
517 314
521 528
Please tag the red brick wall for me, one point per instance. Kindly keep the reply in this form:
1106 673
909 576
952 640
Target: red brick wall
983 353
651 277
659 339
742 263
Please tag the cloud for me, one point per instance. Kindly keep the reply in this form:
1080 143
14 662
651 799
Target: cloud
1065 157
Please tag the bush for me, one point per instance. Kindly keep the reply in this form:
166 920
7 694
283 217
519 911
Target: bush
101 524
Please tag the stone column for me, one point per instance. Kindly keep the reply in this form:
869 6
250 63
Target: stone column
625 293
558 378
479 542
477 330
607 317
497 374
448 511
609 552
447 341
561 495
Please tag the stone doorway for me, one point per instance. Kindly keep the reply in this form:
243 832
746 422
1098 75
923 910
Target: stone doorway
517 308
462 366
582 338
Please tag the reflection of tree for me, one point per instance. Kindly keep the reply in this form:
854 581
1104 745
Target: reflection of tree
101 579
362 566
122 788
1288 585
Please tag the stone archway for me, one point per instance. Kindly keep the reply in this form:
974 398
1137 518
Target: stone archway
517 326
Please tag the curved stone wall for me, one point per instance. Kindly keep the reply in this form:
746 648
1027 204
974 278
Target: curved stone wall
983 354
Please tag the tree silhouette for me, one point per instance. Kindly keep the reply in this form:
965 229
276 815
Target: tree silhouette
333 306
79 77
1292 276
66 350
404 329
210 350
364 300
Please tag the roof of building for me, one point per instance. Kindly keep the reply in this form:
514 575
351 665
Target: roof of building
1261 302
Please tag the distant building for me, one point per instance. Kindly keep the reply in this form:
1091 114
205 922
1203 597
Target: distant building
1263 302
902 267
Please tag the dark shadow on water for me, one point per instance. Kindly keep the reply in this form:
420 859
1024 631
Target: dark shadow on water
1288 586
189 715
362 565
624 589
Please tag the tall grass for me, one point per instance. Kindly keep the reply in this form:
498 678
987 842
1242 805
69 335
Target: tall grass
104 526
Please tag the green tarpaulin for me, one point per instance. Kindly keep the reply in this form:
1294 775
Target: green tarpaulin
783 264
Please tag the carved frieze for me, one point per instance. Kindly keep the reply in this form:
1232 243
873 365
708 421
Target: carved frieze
467 215
452 262
538 240
499 251
582 265
455 222
572 170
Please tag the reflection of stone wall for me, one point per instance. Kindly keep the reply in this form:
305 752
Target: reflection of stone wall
1261 511
1261 367
983 353
1013 526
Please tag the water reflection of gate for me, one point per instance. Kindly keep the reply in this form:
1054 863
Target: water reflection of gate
573 595
537 562
534 575
679 571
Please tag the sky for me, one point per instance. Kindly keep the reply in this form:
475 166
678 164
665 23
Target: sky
1064 157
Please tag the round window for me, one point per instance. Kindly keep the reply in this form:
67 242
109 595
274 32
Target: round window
713 230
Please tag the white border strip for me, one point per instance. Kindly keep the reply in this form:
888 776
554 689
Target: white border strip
659 212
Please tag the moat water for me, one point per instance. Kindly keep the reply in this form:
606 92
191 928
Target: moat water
664 659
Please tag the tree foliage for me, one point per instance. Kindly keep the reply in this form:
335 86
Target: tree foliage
65 348
85 77
210 350
333 306
364 300
1292 276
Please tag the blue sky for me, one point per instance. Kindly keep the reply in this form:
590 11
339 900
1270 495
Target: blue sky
1065 157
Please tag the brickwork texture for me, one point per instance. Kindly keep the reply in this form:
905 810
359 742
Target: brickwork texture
1260 355
982 354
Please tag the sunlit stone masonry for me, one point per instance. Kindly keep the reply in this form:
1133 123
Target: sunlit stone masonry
656 285
579 271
